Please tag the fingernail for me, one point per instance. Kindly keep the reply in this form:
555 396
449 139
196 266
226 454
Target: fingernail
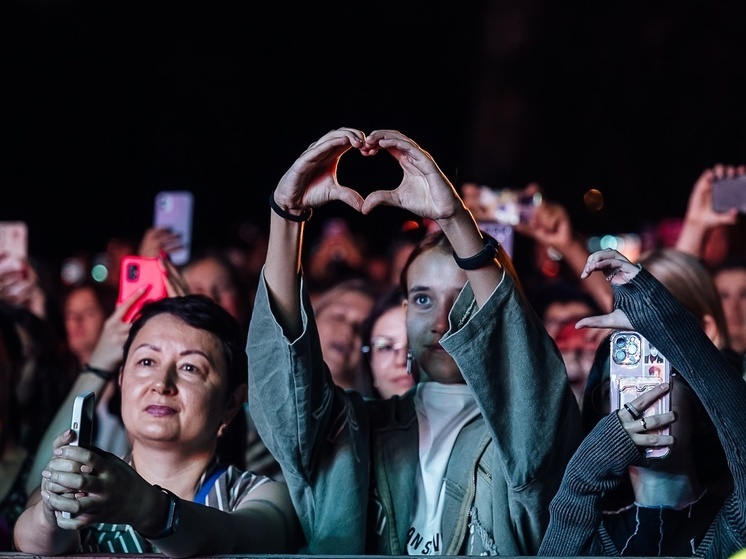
163 254
46 474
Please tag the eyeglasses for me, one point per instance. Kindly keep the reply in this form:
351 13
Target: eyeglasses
383 347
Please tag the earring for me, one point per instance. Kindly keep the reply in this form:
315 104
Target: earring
221 429
410 358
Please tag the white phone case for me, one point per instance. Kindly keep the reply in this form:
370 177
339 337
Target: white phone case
173 209
84 410
636 367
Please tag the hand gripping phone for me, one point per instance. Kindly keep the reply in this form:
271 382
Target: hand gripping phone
173 210
136 271
84 410
636 366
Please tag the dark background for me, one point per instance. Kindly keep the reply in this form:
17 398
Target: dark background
105 103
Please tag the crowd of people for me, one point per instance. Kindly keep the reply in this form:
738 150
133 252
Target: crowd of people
306 396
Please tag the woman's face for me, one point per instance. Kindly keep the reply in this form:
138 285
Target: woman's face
209 277
339 333
84 320
174 386
731 285
433 282
388 356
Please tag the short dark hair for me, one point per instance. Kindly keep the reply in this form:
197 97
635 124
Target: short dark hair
200 311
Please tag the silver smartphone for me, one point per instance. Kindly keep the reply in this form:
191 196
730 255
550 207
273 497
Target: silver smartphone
173 210
729 193
84 410
636 366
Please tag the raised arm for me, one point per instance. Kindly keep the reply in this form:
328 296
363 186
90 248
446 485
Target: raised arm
700 217
309 183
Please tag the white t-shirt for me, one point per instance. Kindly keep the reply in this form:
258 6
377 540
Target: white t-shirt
442 410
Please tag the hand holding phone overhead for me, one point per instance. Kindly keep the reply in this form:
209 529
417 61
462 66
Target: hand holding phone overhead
173 211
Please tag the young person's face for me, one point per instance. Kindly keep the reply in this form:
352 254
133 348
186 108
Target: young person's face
433 282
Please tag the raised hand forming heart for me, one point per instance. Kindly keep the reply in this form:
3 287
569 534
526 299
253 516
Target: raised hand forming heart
312 180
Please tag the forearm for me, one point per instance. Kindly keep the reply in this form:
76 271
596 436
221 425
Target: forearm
575 255
692 237
466 240
503 349
36 532
262 527
282 272
597 467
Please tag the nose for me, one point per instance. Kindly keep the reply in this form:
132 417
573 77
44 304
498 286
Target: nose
164 379
400 354
440 319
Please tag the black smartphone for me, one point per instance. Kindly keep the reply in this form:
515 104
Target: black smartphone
729 193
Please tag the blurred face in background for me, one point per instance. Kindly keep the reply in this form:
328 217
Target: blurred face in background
84 320
208 276
578 349
731 285
388 353
338 320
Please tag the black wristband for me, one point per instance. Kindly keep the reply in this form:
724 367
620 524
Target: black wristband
305 215
480 259
172 520
106 375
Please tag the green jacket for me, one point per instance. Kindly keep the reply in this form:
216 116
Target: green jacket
350 463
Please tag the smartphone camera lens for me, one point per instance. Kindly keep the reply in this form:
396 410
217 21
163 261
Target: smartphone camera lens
133 272
620 355
621 341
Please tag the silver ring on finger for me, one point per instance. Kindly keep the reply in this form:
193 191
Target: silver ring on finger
632 411
644 425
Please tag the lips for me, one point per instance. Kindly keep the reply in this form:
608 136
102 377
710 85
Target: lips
160 411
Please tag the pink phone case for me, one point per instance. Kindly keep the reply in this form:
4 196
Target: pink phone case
136 271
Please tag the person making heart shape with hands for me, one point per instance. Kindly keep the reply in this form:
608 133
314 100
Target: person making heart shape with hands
492 410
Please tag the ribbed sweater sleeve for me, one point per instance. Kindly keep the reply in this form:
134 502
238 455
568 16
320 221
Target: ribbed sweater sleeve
598 466
658 316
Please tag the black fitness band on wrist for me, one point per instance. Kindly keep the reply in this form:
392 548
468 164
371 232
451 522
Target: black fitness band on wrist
172 520
305 215
106 375
480 259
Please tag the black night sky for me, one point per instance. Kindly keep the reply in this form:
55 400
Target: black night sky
105 103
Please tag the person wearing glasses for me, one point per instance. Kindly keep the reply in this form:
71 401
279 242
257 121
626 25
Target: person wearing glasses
387 363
